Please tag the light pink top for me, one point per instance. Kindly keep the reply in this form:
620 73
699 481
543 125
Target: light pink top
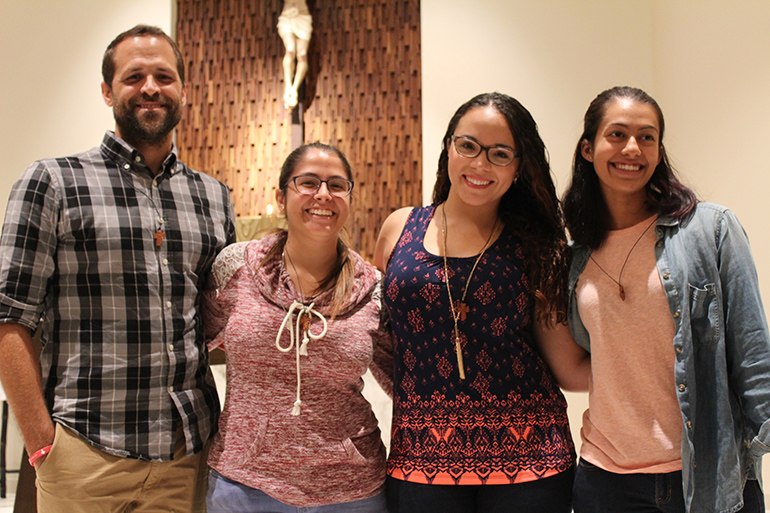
633 423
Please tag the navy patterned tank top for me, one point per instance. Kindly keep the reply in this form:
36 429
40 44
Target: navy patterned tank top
506 422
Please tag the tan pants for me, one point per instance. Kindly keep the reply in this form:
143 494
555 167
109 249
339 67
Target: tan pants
78 478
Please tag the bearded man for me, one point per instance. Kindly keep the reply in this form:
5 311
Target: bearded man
105 254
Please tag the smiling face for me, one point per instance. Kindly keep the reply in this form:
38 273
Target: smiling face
476 181
626 149
311 216
146 94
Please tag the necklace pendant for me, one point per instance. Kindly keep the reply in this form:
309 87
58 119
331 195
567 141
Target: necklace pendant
622 292
304 323
159 236
459 351
462 310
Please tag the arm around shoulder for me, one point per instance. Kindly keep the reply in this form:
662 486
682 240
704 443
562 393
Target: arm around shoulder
389 235
217 300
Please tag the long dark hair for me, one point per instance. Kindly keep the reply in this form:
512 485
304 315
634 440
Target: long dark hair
341 278
585 210
529 209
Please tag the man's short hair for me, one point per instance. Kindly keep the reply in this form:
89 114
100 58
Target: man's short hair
108 62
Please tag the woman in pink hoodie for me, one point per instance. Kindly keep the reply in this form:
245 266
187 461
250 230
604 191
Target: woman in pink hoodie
299 317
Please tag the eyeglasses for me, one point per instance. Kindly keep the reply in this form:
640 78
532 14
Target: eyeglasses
310 184
470 148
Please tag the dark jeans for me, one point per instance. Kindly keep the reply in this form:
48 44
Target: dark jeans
599 491
550 495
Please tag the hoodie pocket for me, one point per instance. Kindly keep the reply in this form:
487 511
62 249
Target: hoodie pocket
259 437
365 446
353 455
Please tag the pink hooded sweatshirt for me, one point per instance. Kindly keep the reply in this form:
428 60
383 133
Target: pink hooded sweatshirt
295 424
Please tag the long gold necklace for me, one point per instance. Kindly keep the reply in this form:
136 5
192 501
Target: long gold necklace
462 309
622 290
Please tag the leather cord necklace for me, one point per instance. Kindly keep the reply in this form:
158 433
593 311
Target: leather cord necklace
621 289
462 309
128 181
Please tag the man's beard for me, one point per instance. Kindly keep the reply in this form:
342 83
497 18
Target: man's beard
152 128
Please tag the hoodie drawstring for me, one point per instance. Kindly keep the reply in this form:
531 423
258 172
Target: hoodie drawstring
302 330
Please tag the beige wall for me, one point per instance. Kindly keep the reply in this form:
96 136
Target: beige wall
706 62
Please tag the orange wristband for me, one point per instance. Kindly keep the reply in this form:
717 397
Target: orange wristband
39 454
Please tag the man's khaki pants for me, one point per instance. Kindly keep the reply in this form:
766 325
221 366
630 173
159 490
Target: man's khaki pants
78 478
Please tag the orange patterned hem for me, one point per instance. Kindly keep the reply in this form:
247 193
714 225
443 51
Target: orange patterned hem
494 478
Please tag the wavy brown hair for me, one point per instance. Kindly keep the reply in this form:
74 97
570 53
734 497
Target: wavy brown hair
530 208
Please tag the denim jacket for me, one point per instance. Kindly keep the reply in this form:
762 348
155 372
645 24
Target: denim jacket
722 347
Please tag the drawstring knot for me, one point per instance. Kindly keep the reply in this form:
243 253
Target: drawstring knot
300 328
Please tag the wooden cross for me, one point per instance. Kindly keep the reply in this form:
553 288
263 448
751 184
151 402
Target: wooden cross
298 121
462 310
159 236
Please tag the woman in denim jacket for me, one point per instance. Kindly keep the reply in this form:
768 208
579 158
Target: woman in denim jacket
665 296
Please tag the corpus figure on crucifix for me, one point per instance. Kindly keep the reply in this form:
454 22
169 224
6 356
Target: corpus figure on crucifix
295 26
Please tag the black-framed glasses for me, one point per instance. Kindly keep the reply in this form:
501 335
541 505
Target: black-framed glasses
309 184
470 148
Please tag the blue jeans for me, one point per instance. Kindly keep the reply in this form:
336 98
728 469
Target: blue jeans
599 491
550 495
227 496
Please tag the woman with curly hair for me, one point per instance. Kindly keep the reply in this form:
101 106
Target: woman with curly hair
476 288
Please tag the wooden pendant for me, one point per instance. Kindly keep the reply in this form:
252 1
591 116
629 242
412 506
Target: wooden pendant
462 310
304 323
622 292
159 236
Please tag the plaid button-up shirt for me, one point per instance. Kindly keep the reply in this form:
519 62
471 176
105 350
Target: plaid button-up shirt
111 260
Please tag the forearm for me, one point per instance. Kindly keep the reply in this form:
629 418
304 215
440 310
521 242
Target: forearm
382 361
577 379
22 382
569 363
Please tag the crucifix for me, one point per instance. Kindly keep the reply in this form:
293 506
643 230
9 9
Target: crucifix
295 26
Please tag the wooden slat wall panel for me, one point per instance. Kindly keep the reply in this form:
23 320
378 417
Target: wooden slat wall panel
362 95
